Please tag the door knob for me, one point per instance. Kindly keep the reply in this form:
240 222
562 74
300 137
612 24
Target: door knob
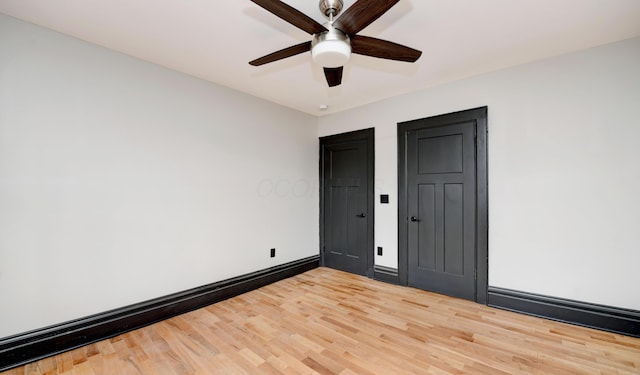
362 215
413 218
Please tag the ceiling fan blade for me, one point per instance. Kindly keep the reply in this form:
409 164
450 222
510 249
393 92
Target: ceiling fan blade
365 45
333 75
291 15
361 14
282 54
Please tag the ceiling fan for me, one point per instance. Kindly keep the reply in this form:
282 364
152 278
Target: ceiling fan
334 41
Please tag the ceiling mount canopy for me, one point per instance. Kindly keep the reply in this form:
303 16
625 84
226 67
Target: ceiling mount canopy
330 8
333 43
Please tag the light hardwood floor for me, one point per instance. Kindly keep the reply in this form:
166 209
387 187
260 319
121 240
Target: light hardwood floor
329 322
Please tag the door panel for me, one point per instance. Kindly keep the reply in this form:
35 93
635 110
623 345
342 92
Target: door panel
347 208
438 223
427 225
440 154
454 230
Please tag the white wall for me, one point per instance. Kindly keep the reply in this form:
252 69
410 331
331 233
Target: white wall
564 170
122 181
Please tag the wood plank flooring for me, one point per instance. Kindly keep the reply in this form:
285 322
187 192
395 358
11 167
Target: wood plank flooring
329 322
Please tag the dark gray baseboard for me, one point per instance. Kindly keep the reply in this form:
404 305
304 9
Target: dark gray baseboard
607 318
27 347
386 274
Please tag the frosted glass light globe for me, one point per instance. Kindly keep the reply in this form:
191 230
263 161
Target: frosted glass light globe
331 49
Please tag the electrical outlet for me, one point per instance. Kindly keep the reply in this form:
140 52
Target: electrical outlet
273 253
379 250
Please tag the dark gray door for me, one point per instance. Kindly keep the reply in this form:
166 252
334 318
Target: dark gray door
441 221
347 212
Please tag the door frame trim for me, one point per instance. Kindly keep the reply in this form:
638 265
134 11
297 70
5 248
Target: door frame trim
482 197
367 135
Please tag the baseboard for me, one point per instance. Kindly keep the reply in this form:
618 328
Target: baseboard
26 347
386 274
607 318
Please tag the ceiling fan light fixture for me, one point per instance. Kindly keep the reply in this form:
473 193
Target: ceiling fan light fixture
331 45
331 49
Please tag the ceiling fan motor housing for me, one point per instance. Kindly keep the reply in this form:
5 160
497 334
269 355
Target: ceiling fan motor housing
331 49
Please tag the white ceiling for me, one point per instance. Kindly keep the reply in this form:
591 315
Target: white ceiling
215 39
